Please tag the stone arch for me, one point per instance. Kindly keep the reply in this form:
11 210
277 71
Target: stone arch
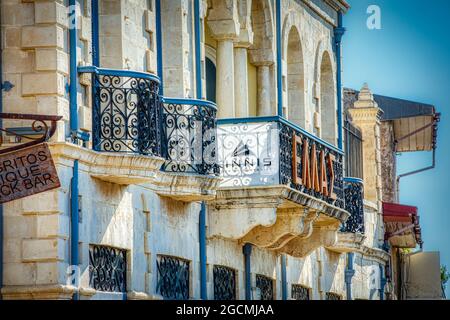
295 109
325 92
262 55
262 50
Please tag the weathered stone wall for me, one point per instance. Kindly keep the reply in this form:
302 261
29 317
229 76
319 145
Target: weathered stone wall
127 35
388 166
35 59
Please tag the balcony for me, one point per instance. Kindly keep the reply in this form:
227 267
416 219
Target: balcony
189 133
140 136
351 235
281 185
354 204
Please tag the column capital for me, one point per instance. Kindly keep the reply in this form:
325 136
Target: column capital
245 39
223 20
262 57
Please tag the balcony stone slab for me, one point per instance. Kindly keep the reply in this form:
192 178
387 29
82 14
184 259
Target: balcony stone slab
270 216
119 168
186 187
354 242
348 242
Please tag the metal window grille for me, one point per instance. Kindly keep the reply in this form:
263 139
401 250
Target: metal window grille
173 278
333 296
353 150
107 269
224 283
300 292
265 285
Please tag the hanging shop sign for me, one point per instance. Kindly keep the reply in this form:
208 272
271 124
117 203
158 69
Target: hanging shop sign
26 172
26 168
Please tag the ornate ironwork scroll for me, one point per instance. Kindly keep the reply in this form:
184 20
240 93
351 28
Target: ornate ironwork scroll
286 159
265 284
126 114
107 269
332 296
189 132
300 292
354 204
39 130
224 283
173 278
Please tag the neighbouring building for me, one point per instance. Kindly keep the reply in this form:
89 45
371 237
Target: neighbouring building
206 150
402 126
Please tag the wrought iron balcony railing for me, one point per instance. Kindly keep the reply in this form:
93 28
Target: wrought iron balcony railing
354 204
130 116
189 132
272 151
126 112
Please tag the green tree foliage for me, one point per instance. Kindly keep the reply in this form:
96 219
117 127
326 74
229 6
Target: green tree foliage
445 276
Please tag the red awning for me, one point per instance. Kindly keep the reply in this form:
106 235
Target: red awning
402 225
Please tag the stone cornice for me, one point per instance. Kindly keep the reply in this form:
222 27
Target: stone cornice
369 115
44 292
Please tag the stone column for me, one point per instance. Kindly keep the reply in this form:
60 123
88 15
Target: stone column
366 115
264 89
241 60
225 28
225 79
241 82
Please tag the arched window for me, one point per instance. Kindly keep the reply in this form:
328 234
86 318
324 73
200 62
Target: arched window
210 68
210 80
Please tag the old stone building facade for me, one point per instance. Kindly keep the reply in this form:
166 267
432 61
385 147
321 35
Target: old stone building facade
203 153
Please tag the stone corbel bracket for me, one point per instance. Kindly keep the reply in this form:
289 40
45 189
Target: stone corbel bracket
290 223
234 213
300 247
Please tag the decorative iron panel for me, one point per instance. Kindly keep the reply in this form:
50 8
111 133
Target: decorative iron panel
224 283
107 269
126 115
189 132
354 204
332 296
265 284
300 292
173 278
287 134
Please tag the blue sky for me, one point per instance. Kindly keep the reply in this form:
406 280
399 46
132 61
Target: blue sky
409 58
